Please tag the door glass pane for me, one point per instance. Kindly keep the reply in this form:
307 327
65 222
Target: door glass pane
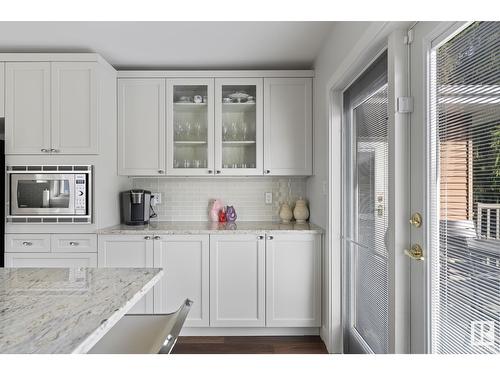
239 126
366 210
190 126
465 192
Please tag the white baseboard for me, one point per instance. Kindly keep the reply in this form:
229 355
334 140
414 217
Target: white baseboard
249 331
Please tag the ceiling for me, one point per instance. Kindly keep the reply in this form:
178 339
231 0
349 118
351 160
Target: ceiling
175 45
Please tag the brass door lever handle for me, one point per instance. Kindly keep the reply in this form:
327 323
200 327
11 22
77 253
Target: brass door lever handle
415 252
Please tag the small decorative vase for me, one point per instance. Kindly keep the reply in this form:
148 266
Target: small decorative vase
222 216
286 213
230 214
214 208
301 212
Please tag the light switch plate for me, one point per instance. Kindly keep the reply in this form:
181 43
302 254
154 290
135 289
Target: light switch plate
269 198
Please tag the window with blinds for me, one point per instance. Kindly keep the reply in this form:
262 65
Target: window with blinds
465 191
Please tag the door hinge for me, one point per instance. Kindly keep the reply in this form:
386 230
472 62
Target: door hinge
405 104
408 39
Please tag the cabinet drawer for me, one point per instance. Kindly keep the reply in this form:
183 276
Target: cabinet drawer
78 243
27 243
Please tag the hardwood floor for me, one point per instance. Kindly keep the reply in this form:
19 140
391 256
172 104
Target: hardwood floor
249 345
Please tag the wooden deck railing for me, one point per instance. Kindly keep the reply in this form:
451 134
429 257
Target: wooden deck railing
484 211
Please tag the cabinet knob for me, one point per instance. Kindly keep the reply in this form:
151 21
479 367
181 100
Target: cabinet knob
161 171
260 237
72 243
44 150
218 172
156 237
54 150
270 237
268 171
147 237
27 243
210 171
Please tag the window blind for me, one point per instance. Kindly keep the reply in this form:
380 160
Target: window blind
366 208
465 192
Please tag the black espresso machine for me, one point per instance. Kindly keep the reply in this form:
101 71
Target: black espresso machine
136 207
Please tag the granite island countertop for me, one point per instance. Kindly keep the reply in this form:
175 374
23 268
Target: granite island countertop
206 227
66 310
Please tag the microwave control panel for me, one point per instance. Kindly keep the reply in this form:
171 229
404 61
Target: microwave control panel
80 194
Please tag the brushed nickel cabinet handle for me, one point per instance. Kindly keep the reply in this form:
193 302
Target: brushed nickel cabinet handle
44 150
147 237
156 238
260 237
218 172
268 171
54 150
161 171
27 243
210 171
73 243
270 237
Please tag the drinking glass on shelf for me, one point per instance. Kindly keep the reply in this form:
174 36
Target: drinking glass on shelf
187 164
234 131
177 164
225 166
197 130
188 131
224 131
196 164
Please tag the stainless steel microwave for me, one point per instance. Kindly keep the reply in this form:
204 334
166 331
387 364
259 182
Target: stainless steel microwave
50 194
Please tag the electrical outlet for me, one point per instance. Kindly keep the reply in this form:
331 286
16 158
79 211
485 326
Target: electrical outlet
269 198
155 199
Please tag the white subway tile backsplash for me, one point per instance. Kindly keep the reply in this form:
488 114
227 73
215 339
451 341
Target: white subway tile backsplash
187 199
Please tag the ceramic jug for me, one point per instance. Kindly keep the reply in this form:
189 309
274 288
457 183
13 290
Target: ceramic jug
301 212
285 213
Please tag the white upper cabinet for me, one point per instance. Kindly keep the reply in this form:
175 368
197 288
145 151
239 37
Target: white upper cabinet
185 261
288 126
2 90
27 108
51 107
293 280
125 252
190 127
237 281
74 108
238 126
141 126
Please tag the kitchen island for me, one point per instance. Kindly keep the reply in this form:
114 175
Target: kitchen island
66 310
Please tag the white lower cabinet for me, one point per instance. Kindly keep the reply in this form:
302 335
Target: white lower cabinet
128 251
237 281
185 261
293 280
50 260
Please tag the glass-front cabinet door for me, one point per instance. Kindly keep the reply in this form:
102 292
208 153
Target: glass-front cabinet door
190 127
238 126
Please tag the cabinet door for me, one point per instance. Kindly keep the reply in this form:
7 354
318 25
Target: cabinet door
190 127
184 260
237 281
124 252
27 108
2 89
141 127
288 126
238 126
74 108
50 260
293 280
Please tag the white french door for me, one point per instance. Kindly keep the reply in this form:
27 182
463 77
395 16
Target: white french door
455 186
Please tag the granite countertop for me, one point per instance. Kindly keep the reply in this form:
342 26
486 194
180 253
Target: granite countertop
205 227
66 310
